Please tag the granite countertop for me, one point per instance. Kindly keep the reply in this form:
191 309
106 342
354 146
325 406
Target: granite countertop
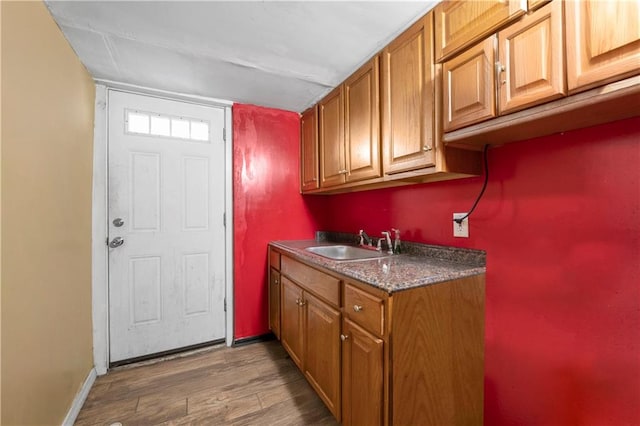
421 265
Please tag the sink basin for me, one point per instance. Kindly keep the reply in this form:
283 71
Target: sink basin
341 252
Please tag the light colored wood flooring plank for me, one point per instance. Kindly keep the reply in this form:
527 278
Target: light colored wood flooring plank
256 384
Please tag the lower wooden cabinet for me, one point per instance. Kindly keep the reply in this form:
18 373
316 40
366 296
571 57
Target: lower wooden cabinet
415 357
310 332
322 351
274 302
362 376
291 322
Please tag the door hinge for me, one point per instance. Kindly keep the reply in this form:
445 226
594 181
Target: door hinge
224 134
225 304
224 219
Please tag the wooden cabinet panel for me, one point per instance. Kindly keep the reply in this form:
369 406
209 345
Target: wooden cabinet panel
459 24
407 100
331 131
322 352
362 377
603 41
365 309
534 4
274 302
469 86
438 373
291 332
362 122
274 259
321 284
531 52
309 149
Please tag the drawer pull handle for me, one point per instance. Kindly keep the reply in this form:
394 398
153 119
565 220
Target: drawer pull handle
357 308
344 337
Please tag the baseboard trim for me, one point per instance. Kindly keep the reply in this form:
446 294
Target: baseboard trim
78 401
254 339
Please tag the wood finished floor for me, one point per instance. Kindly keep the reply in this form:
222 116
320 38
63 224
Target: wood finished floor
256 384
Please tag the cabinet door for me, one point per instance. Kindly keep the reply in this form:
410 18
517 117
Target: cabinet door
469 86
322 351
291 320
309 149
362 376
461 23
362 122
274 302
532 57
603 41
407 99
332 162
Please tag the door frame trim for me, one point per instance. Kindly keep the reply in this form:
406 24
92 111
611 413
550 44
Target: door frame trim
99 215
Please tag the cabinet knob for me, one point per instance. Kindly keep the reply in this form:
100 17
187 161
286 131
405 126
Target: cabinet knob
275 281
426 148
344 337
343 172
300 302
357 308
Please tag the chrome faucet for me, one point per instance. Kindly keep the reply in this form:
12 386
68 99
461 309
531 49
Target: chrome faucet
387 237
396 241
364 238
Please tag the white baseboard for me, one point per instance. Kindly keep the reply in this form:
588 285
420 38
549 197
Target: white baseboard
70 419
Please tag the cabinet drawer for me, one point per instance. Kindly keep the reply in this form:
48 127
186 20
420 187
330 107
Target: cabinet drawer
364 309
274 259
312 280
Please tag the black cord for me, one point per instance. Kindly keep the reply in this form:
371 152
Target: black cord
484 186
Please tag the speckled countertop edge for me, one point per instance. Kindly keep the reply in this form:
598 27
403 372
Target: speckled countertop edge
420 264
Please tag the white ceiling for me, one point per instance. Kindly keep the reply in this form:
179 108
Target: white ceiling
277 54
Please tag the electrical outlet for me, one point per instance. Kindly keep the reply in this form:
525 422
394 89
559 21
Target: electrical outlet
461 229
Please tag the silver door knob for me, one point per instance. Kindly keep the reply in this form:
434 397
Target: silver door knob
118 222
116 242
357 308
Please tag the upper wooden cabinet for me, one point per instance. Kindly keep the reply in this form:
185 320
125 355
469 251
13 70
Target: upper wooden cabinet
309 149
332 157
534 4
407 100
603 41
362 122
469 86
459 24
350 128
531 60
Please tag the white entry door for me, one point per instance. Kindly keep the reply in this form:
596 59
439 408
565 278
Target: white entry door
166 225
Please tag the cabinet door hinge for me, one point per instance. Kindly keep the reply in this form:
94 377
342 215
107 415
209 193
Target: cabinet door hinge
224 219
224 134
225 304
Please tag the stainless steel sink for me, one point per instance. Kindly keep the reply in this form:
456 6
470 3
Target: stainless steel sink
341 252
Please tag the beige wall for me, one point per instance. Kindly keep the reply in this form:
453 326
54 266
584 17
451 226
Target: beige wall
47 137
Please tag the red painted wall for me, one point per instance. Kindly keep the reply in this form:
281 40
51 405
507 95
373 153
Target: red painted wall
560 222
267 205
